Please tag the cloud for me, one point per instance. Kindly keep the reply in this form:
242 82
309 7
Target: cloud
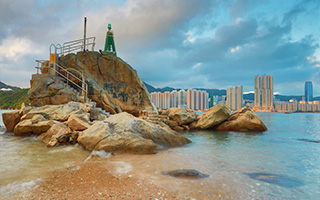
180 43
237 48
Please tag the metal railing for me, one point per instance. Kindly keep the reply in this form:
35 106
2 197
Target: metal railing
72 46
57 68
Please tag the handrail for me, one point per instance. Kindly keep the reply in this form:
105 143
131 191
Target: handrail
71 46
84 90
74 45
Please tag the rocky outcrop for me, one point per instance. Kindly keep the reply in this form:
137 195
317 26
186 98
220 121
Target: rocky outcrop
214 116
112 83
51 90
125 133
11 119
242 120
38 120
51 136
58 112
181 116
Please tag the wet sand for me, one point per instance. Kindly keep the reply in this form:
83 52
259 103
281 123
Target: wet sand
111 178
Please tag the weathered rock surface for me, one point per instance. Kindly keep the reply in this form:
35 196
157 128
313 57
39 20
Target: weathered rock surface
11 119
56 131
112 83
50 90
126 133
58 112
242 120
41 127
214 116
181 115
23 128
77 123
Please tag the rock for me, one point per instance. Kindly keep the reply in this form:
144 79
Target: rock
178 128
50 90
186 127
11 119
125 133
172 123
112 83
42 126
186 173
213 117
50 137
242 120
58 112
94 114
37 118
23 128
24 109
181 116
77 124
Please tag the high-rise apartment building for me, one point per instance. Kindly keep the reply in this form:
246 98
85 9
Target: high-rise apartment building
235 98
193 99
263 92
182 99
308 91
257 91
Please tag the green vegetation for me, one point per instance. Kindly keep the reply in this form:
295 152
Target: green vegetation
13 99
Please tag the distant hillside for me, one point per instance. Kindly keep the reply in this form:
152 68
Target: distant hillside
13 99
169 89
3 85
153 89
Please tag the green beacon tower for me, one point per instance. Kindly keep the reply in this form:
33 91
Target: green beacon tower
110 41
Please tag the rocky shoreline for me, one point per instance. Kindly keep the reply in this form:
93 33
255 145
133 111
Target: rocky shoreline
93 129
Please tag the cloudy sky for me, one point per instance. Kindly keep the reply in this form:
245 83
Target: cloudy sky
178 43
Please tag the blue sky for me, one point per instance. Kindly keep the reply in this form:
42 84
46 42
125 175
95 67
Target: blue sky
178 43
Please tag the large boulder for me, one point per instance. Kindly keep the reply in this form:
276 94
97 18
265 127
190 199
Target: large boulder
242 120
181 116
125 133
58 112
214 116
11 119
23 128
42 126
51 136
36 125
77 123
51 90
112 83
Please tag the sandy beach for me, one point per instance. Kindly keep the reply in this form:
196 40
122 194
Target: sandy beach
100 178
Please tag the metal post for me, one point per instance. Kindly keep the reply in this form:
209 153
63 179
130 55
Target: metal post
84 55
85 30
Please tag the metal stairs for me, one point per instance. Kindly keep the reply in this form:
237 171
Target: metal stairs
66 78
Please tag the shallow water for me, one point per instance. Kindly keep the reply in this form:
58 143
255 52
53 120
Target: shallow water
281 163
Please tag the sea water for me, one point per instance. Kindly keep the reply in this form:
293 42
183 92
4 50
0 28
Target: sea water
281 163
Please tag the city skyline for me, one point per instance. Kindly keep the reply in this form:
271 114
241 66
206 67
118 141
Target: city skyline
182 44
190 99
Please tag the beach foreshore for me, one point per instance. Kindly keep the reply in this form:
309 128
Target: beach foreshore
98 178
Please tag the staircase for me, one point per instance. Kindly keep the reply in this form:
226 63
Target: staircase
153 116
64 77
